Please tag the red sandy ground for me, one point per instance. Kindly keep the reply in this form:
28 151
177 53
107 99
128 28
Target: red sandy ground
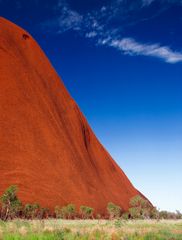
47 148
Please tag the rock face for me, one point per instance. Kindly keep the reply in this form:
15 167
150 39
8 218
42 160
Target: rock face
47 148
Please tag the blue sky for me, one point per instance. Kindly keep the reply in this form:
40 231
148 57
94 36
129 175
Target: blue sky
121 61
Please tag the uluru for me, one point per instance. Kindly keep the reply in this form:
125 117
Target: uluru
47 147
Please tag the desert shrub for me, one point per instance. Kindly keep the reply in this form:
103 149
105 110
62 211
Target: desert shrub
125 216
66 212
154 213
140 208
43 213
86 212
30 211
114 210
170 215
135 212
138 201
33 211
163 214
178 215
11 205
71 210
58 212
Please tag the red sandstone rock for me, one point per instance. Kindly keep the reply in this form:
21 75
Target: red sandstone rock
47 148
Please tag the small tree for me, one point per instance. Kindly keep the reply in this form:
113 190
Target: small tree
114 210
138 201
135 212
163 214
140 207
154 213
86 212
58 212
31 210
11 205
178 214
65 212
71 210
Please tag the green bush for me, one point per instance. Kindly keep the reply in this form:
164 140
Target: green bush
30 211
125 216
138 201
114 210
154 213
141 208
71 210
86 212
135 212
11 205
66 212
58 212
178 214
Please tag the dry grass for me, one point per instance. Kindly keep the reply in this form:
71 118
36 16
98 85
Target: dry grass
91 229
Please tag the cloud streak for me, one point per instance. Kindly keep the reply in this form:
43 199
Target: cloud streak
69 19
98 26
129 46
66 19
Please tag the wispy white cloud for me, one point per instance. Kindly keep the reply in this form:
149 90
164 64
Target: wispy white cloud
66 19
98 26
130 47
91 34
99 20
69 19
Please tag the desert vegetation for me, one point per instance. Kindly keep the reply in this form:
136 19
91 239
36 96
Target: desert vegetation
59 229
114 211
140 208
31 221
